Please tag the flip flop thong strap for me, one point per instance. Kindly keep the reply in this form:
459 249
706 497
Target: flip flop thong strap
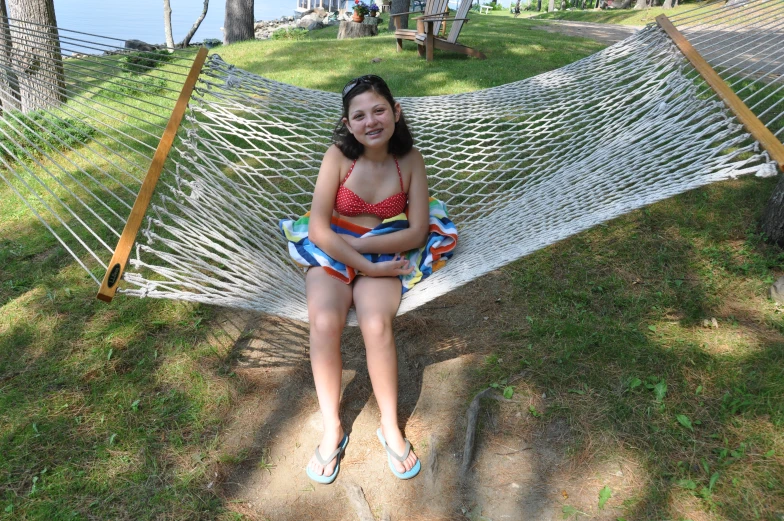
394 454
332 456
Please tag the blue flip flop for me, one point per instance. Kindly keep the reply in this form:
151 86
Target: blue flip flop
392 454
326 480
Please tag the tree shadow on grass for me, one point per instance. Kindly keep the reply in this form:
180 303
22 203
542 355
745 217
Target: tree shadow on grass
616 341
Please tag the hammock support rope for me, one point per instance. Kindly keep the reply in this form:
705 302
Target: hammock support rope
131 229
747 118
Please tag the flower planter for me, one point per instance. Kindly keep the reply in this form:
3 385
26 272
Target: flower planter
357 18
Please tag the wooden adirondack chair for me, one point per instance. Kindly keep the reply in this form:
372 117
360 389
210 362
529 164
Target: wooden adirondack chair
427 40
437 8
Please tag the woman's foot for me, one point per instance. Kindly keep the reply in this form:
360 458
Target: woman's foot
397 443
329 443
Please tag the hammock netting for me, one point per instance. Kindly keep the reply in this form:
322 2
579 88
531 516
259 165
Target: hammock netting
519 166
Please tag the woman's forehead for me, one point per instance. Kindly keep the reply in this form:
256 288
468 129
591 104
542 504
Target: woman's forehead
366 100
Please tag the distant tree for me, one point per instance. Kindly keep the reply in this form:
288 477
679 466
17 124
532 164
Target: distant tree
772 221
399 6
168 27
9 84
551 6
667 4
641 4
38 61
238 25
187 40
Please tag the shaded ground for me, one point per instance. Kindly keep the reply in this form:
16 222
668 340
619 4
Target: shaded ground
521 468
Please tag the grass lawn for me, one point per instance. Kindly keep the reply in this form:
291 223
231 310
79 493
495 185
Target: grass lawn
121 411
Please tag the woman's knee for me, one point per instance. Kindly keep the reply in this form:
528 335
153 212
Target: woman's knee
326 323
375 325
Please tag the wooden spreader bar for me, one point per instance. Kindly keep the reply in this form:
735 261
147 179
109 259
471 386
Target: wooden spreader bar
123 250
749 120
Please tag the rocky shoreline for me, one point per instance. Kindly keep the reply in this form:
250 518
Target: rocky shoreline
310 20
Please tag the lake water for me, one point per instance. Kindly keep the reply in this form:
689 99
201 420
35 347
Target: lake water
143 19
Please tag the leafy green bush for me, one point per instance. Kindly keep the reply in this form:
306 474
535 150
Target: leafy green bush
127 85
290 34
138 62
23 134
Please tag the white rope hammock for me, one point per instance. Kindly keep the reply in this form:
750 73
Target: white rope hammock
519 166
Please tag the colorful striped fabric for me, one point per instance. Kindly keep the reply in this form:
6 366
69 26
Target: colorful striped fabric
431 257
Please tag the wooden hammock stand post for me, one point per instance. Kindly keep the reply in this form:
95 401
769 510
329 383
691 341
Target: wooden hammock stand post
747 118
123 250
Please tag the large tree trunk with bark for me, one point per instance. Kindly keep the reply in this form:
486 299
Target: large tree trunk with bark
187 40
167 30
399 6
37 59
238 25
772 222
9 85
641 4
551 6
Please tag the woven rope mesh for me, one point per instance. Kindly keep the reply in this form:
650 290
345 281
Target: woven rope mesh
519 166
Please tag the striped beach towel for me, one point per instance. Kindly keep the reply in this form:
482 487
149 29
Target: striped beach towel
431 257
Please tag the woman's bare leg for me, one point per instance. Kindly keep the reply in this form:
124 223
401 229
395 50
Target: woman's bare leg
328 302
376 301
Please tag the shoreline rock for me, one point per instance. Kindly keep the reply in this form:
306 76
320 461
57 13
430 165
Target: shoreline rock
312 20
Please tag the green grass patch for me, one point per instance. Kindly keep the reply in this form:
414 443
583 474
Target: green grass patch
616 327
39 132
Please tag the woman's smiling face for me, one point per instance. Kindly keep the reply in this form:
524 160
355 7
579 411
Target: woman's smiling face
371 120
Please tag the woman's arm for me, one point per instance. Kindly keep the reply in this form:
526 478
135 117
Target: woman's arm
321 234
418 217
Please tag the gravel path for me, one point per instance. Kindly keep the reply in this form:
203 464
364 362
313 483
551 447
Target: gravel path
605 33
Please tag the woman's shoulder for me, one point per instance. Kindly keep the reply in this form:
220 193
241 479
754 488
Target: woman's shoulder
412 158
334 157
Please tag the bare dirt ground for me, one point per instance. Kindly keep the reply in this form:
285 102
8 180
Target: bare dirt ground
521 469
605 33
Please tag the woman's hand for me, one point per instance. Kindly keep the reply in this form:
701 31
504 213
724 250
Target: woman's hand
393 268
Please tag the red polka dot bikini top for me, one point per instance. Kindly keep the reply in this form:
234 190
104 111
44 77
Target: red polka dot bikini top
350 204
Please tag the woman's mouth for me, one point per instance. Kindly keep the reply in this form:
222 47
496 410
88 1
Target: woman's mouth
373 133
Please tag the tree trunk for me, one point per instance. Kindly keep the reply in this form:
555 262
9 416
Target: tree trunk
187 40
538 6
772 222
238 25
9 84
39 62
399 6
667 4
356 30
167 25
551 6
641 4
